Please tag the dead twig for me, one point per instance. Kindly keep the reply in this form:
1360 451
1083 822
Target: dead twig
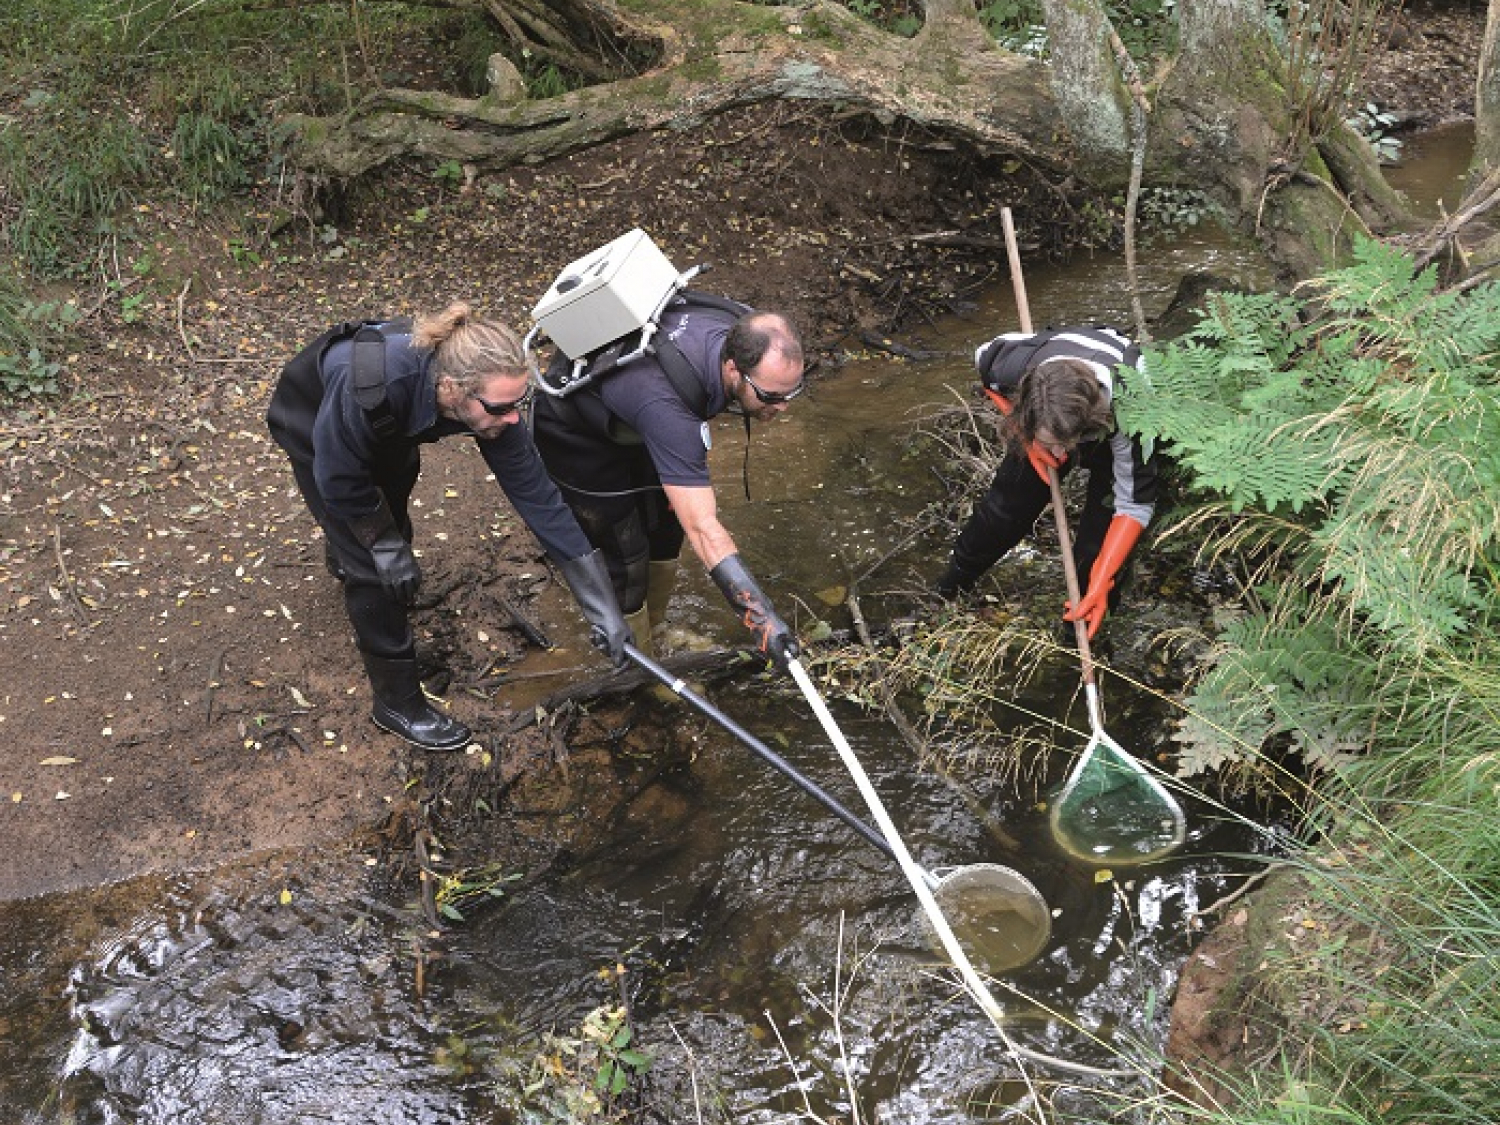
181 331
291 734
74 600
1240 892
1479 201
427 876
214 673
529 629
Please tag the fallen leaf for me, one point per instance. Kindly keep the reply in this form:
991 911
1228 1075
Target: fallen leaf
1103 875
299 698
58 760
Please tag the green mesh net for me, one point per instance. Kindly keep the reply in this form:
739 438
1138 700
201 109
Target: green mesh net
1112 811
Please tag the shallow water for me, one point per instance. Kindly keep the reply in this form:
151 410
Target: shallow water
765 947
1433 168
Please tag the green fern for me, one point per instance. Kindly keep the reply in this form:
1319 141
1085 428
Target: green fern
1368 414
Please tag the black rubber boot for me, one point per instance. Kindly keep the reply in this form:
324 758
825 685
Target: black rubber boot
331 561
402 708
953 582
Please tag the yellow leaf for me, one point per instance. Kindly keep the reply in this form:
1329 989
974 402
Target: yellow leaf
1103 875
286 896
58 760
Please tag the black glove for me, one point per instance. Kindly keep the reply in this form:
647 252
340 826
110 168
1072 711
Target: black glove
589 580
391 553
772 636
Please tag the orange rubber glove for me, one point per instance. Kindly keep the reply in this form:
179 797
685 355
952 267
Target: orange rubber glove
1002 404
1119 540
1041 460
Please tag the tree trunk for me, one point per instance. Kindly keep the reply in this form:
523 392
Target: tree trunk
1222 122
724 55
1487 101
1085 83
1235 122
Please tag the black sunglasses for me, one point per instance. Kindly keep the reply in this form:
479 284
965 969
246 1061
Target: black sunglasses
501 409
775 398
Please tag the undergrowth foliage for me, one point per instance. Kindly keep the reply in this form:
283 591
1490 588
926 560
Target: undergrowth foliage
1347 449
120 114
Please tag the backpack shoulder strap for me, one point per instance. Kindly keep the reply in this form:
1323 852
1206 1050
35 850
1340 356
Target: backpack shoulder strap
735 309
367 369
679 371
684 379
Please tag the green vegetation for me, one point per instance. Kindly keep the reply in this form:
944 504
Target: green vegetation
80 177
30 332
1344 450
1148 28
900 17
585 1075
1339 452
1349 450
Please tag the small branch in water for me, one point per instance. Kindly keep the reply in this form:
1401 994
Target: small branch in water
1240 892
880 343
527 627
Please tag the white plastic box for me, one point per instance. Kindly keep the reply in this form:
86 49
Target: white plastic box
606 295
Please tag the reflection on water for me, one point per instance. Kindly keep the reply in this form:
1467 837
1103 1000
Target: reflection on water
741 927
1433 168
1000 920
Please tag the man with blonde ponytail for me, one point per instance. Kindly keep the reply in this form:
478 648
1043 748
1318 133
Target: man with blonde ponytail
1056 391
352 411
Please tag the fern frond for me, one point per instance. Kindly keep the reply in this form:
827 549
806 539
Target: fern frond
1349 446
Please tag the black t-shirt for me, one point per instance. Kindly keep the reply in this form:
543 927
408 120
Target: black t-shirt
641 395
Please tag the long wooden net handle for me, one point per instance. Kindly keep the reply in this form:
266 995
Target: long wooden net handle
1059 512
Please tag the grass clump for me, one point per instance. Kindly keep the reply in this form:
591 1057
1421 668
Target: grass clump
118 118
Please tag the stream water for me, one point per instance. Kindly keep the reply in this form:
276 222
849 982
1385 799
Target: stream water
778 963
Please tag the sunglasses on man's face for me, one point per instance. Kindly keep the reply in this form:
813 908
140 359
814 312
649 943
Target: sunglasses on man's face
774 398
501 409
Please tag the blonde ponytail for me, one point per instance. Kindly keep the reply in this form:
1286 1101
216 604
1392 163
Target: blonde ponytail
467 349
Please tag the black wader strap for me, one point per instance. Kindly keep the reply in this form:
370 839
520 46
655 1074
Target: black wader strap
684 379
367 364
